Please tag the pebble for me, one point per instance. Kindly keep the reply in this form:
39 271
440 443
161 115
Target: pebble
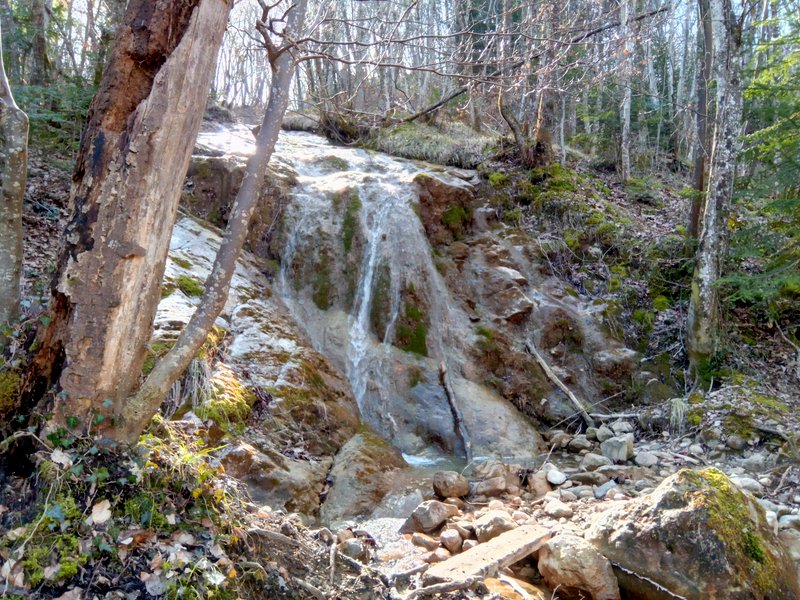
556 477
592 461
451 540
749 484
696 449
735 442
646 459
424 541
601 490
620 427
604 433
557 509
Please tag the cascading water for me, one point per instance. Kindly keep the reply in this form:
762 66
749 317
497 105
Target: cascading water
356 208
359 276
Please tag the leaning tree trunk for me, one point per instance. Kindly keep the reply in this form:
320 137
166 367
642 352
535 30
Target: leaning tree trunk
127 182
13 172
703 318
145 403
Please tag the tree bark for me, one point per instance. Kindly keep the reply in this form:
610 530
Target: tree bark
127 182
13 173
40 22
9 27
702 149
703 317
145 403
625 106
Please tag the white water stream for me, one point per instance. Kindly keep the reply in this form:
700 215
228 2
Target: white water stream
388 240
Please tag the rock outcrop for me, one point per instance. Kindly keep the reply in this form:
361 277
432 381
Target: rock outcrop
697 536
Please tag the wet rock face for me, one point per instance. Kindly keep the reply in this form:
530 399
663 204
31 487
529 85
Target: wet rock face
445 208
696 536
212 184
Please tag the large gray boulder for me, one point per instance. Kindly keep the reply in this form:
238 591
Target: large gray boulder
697 537
572 565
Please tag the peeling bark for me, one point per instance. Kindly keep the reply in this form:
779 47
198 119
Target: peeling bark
126 186
13 174
703 317
145 403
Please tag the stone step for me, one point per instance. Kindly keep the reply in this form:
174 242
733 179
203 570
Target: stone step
484 560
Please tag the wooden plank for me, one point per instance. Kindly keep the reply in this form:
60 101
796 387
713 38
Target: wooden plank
484 560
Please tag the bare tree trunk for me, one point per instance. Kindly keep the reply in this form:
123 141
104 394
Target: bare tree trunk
702 144
625 107
13 173
144 404
9 26
40 22
703 318
127 182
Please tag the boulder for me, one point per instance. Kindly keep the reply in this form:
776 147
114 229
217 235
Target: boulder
437 196
619 448
276 480
573 566
362 474
429 516
450 484
492 524
697 536
491 487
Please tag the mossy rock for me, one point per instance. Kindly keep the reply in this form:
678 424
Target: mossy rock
696 536
10 382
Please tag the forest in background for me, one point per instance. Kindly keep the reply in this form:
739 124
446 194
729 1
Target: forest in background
647 151
628 84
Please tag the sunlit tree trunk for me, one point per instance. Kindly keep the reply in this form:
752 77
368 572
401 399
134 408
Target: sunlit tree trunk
625 83
13 172
703 318
127 182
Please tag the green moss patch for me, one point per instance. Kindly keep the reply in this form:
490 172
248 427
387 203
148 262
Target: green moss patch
350 220
10 382
411 334
740 524
191 286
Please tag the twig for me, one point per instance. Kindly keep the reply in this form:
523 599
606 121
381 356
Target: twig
457 417
405 574
332 562
317 593
450 586
604 417
782 481
516 587
560 384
